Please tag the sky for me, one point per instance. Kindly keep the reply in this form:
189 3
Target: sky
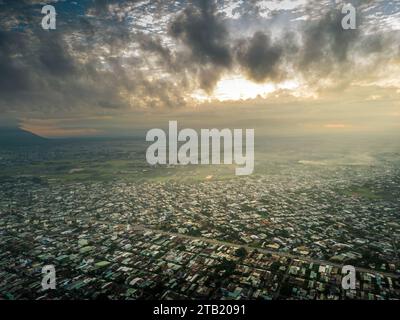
284 66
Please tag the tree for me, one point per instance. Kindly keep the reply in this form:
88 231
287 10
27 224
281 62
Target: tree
241 253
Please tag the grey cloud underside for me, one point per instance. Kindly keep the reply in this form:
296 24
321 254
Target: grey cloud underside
81 65
204 32
42 71
259 58
45 75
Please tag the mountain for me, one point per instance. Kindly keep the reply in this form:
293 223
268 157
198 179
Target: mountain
18 137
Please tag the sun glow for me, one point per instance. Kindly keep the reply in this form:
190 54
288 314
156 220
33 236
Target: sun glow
239 88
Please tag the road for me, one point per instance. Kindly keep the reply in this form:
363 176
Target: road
266 251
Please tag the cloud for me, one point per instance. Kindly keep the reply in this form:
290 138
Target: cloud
112 56
203 33
326 42
336 126
74 70
201 29
259 57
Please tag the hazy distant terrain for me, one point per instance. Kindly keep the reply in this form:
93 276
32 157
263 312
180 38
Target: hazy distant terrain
124 158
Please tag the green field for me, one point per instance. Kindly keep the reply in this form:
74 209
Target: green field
121 170
363 192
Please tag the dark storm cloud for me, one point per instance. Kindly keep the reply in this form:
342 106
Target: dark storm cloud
78 67
259 57
327 51
48 76
53 55
13 75
44 75
326 42
317 49
203 31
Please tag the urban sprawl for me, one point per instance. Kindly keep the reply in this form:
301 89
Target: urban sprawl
276 236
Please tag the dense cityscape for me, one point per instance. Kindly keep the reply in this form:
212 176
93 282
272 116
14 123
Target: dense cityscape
273 236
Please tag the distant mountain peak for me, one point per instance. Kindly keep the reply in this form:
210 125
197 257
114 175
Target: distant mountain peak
14 136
